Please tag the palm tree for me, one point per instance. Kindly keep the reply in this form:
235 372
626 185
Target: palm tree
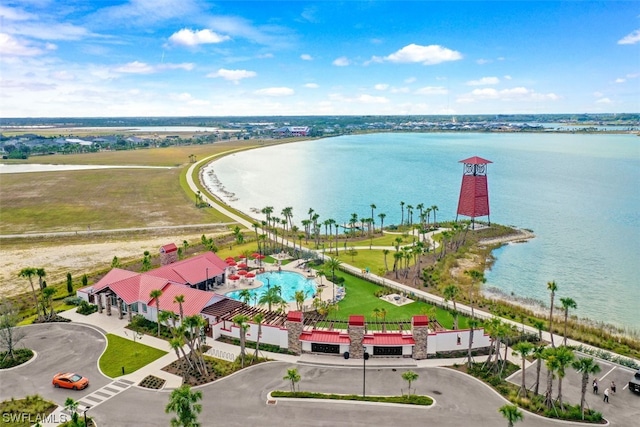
385 252
567 303
511 413
72 406
402 217
476 277
41 275
28 273
156 294
47 303
299 297
179 299
539 325
552 287
450 293
522 349
538 354
382 216
409 377
434 209
258 319
293 376
373 206
551 363
183 402
271 297
564 357
245 296
586 366
473 324
240 321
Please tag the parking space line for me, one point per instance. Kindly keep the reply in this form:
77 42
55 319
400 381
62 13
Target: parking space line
625 386
605 375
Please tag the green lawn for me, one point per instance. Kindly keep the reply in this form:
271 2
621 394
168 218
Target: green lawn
125 353
360 299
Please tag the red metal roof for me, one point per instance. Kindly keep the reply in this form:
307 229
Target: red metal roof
115 275
192 270
475 160
171 247
328 337
294 316
389 339
137 288
420 320
194 299
356 320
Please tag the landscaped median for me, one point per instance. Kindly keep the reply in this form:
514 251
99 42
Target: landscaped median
411 399
126 355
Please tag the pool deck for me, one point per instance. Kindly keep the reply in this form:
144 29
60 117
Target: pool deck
296 266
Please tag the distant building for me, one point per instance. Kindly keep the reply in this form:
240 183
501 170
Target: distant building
286 131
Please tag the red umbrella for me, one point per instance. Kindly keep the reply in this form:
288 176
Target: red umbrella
251 275
255 255
243 272
229 258
260 257
232 263
242 265
234 277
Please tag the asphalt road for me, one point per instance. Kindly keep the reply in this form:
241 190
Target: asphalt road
60 347
241 399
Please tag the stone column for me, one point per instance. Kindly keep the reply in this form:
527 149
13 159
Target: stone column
356 336
420 330
107 298
294 326
120 308
130 314
99 301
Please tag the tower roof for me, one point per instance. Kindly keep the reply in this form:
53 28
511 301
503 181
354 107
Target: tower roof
475 160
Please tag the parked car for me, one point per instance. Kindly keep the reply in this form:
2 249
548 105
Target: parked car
70 380
634 383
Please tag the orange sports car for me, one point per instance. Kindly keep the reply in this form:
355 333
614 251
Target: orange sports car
70 380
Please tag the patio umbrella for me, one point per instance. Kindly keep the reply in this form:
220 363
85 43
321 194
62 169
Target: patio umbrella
260 256
243 272
232 263
234 277
255 255
242 265
229 259
250 275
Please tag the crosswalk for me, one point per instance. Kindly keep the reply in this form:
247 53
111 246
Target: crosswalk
102 394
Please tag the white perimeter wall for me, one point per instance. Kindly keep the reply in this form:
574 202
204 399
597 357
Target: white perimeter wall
274 335
444 341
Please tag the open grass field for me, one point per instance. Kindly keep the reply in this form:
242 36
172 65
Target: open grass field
360 299
125 353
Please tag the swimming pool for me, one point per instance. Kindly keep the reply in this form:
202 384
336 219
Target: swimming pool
290 283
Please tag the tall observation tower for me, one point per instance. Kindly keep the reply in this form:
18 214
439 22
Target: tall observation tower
474 191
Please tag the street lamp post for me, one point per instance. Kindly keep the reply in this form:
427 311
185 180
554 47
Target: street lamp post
85 415
365 356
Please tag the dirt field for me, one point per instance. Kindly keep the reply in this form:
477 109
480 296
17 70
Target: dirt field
76 258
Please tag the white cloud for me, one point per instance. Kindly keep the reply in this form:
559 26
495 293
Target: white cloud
631 38
513 94
604 101
12 46
187 37
507 77
275 91
432 90
187 66
187 98
312 85
484 81
306 57
381 86
483 61
399 90
15 14
426 55
232 75
145 12
598 94
63 75
343 61
409 80
369 99
135 67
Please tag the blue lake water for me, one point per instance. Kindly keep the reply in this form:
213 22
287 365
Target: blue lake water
578 193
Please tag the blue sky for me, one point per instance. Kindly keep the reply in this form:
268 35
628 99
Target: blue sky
205 58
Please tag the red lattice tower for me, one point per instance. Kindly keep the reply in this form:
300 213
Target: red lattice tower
474 192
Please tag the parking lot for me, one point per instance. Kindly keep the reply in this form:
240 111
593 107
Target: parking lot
623 407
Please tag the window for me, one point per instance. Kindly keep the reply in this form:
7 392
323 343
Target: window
134 307
144 308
